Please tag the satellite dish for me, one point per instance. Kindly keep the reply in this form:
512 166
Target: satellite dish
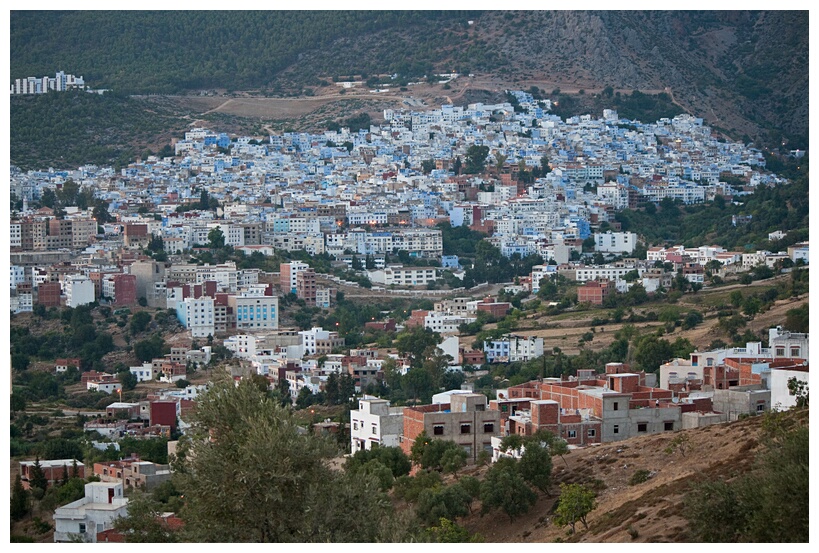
675 399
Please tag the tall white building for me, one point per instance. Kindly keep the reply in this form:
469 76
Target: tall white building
197 315
79 290
615 242
17 275
375 422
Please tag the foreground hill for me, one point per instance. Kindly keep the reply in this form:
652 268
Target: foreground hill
648 512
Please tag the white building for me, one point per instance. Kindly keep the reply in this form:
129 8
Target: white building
142 372
21 303
375 422
107 387
197 315
615 242
254 310
511 349
16 235
405 276
781 397
83 519
79 290
445 324
17 275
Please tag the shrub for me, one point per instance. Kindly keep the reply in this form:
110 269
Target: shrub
639 477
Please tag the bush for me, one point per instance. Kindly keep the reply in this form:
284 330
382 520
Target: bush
632 531
639 477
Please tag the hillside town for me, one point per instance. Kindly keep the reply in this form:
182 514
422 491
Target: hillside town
370 204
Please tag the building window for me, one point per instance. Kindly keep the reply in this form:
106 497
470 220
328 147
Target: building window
438 430
466 428
642 427
572 433
82 528
591 433
616 428
375 429
488 427
795 351
760 407
668 426
616 406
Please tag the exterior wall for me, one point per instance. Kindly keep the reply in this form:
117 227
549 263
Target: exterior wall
629 423
79 290
736 401
778 383
48 294
615 242
700 420
472 428
375 423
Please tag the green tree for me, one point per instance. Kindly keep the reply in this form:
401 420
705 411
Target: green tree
453 460
242 482
652 352
449 532
415 343
797 320
142 524
775 489
38 478
575 503
476 159
127 379
504 488
216 238
146 350
139 322
393 458
535 466
20 500
448 502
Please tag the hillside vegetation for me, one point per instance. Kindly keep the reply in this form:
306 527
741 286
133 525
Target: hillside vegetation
744 72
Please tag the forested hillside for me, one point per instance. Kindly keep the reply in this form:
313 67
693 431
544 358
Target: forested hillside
74 128
744 72
171 52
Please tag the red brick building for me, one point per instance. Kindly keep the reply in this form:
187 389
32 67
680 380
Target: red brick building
48 294
54 470
465 421
595 408
163 413
120 288
497 309
595 291
306 286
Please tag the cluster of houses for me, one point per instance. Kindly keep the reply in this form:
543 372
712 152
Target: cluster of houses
590 408
584 410
368 195
365 197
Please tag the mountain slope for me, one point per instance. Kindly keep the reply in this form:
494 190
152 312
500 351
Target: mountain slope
648 512
744 72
